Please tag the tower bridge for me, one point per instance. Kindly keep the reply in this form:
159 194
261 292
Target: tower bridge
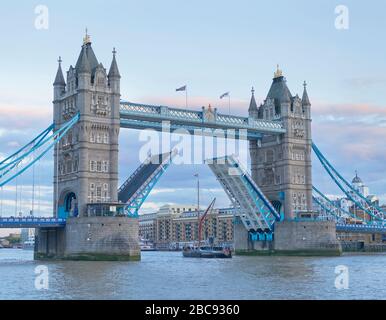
94 219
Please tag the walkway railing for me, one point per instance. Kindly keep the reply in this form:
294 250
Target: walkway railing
31 222
205 118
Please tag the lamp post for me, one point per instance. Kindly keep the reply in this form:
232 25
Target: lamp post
198 208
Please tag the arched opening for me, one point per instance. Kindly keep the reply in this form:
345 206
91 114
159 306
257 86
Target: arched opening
68 206
71 205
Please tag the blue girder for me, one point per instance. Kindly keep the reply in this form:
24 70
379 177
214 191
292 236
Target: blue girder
137 197
31 222
332 209
255 210
362 228
42 140
352 194
270 215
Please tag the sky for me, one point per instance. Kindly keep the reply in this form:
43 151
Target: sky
213 47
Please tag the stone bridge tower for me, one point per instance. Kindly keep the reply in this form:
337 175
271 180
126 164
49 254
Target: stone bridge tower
86 167
281 165
86 160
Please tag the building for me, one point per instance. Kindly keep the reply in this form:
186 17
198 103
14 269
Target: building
281 165
346 204
146 226
361 188
87 157
147 222
171 227
86 111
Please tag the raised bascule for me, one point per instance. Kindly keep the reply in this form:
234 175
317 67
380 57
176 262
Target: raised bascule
277 208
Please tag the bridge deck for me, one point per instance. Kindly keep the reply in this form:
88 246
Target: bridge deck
32 223
361 228
255 211
138 178
141 116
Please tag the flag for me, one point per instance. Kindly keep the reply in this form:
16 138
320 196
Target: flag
226 94
182 88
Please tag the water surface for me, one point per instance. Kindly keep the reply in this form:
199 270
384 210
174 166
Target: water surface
167 275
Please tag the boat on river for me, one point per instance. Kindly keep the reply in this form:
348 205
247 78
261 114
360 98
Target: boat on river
211 251
207 252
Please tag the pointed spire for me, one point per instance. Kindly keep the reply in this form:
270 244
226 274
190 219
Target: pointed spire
59 79
305 99
87 38
252 104
278 73
114 71
279 90
84 64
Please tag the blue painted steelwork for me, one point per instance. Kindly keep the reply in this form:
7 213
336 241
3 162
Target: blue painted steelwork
254 209
255 192
261 236
361 228
31 222
338 213
14 160
136 124
143 186
39 138
55 137
135 115
359 200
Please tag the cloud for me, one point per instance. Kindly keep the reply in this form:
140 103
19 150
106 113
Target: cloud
354 113
351 136
17 117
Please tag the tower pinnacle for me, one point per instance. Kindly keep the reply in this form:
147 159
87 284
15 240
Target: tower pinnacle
114 71
305 99
278 73
252 105
59 79
87 38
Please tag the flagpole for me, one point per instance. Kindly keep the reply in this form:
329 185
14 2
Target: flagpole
186 97
229 103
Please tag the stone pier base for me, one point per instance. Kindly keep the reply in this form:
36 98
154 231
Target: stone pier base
90 238
299 238
307 238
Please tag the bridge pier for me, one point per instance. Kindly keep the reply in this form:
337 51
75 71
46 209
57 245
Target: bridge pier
90 238
365 241
300 238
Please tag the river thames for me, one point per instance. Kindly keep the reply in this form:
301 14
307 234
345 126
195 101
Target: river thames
167 275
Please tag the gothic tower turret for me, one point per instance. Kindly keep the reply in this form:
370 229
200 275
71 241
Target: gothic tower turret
59 83
87 157
281 165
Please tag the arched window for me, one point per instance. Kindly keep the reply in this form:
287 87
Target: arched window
106 138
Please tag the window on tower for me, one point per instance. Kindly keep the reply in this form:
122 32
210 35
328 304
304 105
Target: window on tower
106 138
92 166
99 166
105 167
